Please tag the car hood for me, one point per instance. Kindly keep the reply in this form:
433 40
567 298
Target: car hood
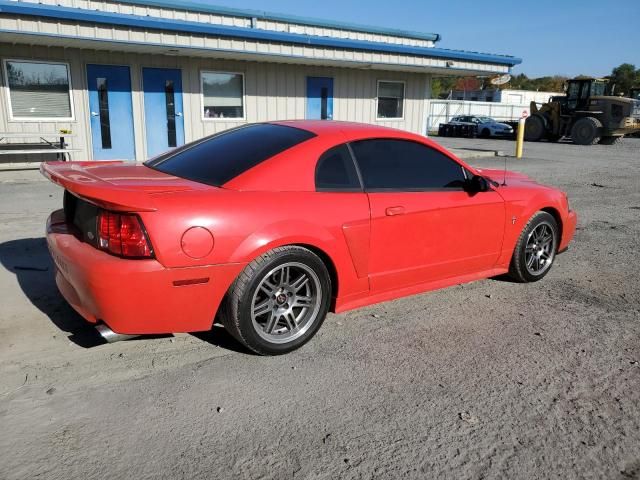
500 176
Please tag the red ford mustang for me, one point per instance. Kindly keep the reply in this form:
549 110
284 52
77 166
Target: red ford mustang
267 227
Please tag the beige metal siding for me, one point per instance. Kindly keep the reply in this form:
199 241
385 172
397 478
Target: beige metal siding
272 91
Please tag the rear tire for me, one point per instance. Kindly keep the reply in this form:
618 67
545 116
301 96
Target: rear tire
586 131
485 133
610 140
535 128
536 248
279 301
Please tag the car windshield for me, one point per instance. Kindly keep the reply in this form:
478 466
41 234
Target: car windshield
217 159
485 120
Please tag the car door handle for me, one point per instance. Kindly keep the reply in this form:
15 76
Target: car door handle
399 210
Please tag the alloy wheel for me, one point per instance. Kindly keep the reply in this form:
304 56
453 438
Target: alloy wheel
286 302
540 249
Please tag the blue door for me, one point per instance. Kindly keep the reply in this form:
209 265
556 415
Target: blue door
111 112
164 122
319 98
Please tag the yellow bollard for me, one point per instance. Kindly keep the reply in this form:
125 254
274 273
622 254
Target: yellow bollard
520 137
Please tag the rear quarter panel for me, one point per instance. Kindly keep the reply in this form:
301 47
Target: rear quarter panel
244 225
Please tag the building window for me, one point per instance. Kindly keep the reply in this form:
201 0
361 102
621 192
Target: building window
38 90
222 95
390 99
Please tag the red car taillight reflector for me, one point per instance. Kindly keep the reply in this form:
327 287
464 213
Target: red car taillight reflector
122 234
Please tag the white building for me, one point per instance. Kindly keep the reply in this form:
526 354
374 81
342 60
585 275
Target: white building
506 96
131 78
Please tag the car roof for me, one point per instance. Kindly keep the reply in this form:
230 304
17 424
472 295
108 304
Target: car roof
324 127
294 168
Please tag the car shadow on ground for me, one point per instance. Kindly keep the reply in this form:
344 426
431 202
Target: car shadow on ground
505 277
219 337
29 260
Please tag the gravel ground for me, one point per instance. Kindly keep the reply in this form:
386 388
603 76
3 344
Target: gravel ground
486 380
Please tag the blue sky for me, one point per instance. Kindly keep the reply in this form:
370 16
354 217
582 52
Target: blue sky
566 37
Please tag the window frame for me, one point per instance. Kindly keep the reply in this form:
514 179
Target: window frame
361 189
223 119
404 97
7 89
465 172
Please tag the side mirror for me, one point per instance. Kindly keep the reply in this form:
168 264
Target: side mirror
477 184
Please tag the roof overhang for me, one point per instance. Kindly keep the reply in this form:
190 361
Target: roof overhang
132 33
263 15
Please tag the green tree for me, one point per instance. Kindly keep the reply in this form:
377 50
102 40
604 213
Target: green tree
624 77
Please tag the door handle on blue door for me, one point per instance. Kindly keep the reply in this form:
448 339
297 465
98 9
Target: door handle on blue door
390 211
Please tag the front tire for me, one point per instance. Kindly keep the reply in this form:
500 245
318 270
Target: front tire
279 301
586 131
535 128
536 248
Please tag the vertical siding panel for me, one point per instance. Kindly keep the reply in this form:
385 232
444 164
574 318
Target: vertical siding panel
271 92
409 92
133 62
301 93
281 92
195 100
290 88
350 95
261 92
251 87
361 95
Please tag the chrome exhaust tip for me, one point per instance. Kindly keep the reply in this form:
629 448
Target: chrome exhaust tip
110 336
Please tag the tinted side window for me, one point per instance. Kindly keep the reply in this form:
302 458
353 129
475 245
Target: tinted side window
335 171
217 159
403 165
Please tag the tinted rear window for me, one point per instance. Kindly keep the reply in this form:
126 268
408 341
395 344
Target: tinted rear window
217 159
335 171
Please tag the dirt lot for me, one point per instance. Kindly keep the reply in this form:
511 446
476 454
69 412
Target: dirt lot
486 380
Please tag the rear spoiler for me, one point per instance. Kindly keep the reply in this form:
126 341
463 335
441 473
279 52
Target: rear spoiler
74 177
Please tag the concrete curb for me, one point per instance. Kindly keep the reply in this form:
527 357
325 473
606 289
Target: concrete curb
465 153
12 167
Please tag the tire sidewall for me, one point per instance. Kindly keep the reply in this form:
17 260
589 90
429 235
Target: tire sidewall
590 127
534 128
537 220
246 326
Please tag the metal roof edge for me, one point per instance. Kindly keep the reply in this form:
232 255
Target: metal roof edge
268 56
136 21
261 14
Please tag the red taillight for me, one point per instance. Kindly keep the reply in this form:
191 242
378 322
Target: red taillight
122 234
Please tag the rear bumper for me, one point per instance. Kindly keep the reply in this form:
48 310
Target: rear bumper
134 296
